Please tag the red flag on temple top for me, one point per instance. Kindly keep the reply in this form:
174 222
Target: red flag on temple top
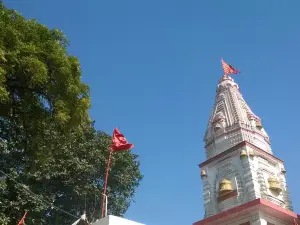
228 69
119 142
23 219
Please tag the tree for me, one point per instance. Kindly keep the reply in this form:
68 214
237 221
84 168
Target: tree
70 174
37 75
51 155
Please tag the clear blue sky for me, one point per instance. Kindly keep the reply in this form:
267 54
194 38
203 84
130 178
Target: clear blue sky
153 68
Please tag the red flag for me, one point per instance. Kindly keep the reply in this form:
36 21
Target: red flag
119 142
22 220
228 69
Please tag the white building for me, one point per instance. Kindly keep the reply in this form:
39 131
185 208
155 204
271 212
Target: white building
114 220
243 182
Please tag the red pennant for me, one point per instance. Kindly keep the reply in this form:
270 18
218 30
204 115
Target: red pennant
228 69
119 142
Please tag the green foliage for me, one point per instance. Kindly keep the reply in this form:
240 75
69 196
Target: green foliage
37 72
48 146
67 169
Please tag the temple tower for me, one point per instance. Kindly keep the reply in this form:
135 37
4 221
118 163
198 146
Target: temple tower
243 182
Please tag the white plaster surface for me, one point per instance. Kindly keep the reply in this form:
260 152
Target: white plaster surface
114 220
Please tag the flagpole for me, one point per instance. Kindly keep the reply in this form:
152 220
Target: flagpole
105 183
23 218
106 203
119 143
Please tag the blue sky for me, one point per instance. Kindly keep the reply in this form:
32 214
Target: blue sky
153 67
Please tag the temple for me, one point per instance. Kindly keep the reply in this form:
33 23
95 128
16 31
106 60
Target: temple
243 182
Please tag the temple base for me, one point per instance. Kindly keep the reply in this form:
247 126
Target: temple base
256 212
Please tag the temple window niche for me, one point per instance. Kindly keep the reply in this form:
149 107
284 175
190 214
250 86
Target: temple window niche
219 121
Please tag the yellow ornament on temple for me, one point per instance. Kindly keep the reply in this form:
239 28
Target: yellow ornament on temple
225 187
258 124
274 184
243 153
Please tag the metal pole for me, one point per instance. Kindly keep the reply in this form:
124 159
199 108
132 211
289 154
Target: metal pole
105 184
106 203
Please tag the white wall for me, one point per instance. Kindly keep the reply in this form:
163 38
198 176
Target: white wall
114 220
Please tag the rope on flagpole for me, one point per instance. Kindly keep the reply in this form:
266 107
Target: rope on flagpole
46 203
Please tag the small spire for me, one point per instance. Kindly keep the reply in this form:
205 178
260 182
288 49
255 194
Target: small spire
230 111
225 77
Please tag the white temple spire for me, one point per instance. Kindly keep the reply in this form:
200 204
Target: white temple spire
231 114
241 176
